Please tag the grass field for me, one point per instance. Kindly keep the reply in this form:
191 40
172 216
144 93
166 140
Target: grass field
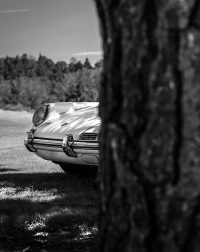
41 208
13 155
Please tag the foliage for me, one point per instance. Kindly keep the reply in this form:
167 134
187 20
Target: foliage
26 82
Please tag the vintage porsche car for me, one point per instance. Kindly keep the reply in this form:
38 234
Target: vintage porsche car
66 133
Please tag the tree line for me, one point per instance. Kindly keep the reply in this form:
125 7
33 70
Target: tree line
26 82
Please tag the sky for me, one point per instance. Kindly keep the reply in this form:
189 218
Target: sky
58 29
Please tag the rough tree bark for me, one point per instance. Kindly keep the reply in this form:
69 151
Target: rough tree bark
150 110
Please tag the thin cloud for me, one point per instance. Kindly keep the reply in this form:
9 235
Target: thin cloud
14 11
97 53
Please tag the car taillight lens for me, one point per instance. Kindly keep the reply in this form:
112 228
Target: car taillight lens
40 115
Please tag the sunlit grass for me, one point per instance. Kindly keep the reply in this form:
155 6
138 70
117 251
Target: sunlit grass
37 223
13 155
28 193
45 216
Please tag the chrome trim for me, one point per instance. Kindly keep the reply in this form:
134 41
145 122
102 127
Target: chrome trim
73 147
28 139
88 136
48 142
68 145
68 141
85 145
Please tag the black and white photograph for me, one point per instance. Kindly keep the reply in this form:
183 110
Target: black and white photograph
99 126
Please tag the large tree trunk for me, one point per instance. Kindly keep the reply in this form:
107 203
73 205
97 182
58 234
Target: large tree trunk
150 110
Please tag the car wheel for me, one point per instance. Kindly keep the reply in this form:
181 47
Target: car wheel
77 169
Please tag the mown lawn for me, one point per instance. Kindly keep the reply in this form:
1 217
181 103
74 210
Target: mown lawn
41 208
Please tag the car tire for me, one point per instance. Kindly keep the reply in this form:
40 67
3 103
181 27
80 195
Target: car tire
77 169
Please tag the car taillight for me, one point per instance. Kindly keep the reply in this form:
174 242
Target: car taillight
40 115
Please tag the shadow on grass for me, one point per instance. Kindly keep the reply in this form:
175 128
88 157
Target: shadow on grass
3 169
56 212
6 170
